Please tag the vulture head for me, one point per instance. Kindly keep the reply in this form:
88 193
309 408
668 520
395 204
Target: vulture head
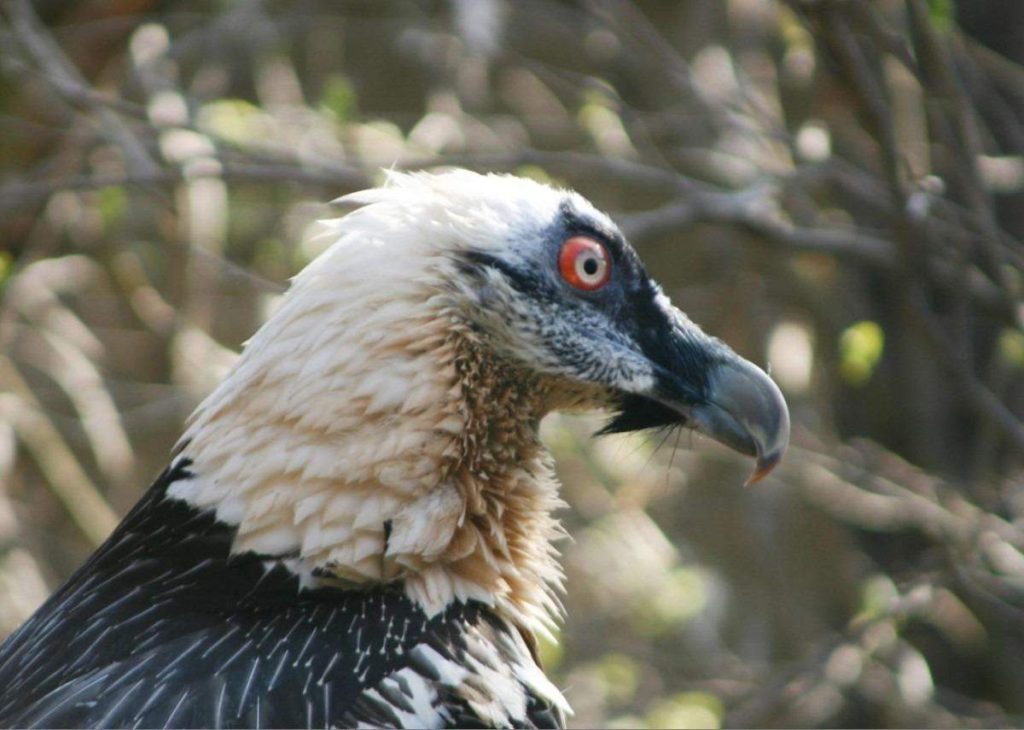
382 425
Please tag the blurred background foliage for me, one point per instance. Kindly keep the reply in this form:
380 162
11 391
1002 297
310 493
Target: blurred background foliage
834 187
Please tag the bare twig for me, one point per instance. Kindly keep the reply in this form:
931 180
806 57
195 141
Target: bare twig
65 476
15 195
44 51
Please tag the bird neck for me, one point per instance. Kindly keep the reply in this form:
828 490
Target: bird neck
416 461
507 490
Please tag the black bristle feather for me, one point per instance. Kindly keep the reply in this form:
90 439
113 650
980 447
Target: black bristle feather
637 413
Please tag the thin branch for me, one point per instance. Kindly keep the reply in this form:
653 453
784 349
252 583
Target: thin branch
975 391
859 488
64 474
753 209
19 194
576 164
44 51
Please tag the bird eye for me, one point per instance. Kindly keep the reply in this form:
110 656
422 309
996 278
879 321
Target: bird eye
584 263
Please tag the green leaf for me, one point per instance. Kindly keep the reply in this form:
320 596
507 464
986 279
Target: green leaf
6 267
860 348
681 596
621 677
877 594
536 172
687 710
233 120
1011 348
942 14
112 204
339 97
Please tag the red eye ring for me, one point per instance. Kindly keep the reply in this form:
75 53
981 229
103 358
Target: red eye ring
584 263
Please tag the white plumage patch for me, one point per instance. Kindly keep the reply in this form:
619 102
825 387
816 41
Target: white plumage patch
356 429
493 679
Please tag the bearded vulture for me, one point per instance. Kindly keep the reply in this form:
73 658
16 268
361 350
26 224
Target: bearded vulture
356 527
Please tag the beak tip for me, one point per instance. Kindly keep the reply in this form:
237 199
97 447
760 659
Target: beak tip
759 417
764 466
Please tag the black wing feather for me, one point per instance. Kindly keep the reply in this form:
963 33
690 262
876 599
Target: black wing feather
162 627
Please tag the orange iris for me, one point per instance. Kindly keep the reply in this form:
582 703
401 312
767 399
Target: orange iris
584 263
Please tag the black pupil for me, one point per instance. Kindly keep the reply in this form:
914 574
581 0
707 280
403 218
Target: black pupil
590 266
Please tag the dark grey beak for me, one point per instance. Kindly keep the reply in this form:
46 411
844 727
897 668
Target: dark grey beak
745 410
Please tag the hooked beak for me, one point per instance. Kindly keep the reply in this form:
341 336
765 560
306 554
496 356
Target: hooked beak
745 410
